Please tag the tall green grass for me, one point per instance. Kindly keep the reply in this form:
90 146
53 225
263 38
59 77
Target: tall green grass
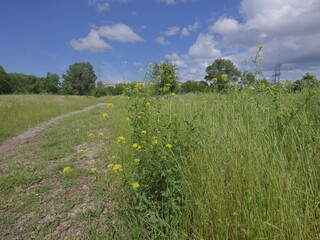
19 112
242 166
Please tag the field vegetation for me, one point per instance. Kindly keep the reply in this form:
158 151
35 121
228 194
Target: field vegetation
216 159
19 112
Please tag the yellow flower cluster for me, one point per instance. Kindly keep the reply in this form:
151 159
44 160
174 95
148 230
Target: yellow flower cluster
136 161
85 151
121 140
154 140
67 170
168 145
91 135
110 105
172 94
148 104
117 168
144 132
224 77
138 86
105 115
93 170
101 134
136 146
135 185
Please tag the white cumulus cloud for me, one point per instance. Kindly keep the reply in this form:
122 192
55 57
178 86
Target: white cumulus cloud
204 48
162 41
168 2
172 31
287 28
119 32
92 42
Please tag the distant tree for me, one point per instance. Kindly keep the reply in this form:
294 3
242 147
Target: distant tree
165 77
79 80
192 86
5 84
248 77
221 72
100 90
308 80
52 83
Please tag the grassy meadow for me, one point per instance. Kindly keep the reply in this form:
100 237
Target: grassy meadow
19 112
197 166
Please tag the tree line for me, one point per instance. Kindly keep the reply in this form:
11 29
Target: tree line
80 79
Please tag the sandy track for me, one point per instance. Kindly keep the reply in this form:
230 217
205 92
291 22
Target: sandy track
10 144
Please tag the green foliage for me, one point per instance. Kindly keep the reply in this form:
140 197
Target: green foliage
220 72
51 83
248 77
79 80
100 90
193 87
230 158
165 77
5 84
306 82
19 112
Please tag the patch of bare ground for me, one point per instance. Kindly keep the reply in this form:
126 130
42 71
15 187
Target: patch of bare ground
63 211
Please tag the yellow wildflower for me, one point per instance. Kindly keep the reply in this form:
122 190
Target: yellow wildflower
138 86
67 170
101 134
121 140
110 165
224 77
136 146
93 161
135 185
168 145
144 132
117 168
110 105
261 46
154 140
105 115
148 104
136 161
85 151
215 79
93 170
90 135
172 94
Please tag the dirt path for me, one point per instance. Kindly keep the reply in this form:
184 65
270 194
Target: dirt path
11 143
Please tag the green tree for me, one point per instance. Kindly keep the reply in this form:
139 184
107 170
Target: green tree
5 84
248 77
100 90
79 80
165 77
221 72
52 83
307 81
192 86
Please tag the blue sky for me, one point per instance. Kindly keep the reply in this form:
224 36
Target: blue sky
119 36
